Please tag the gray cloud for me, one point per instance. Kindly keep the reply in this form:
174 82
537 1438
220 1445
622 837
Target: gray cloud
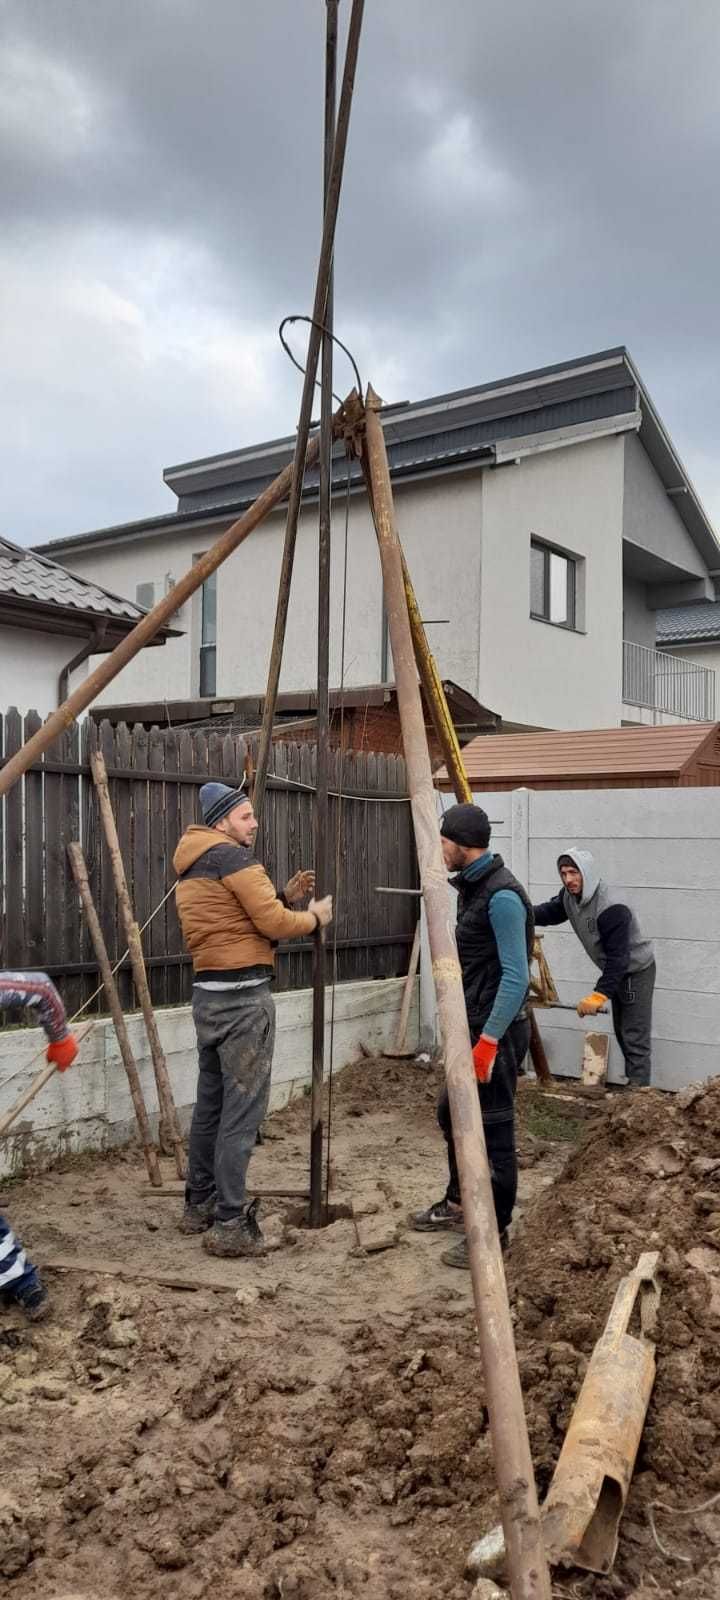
524 183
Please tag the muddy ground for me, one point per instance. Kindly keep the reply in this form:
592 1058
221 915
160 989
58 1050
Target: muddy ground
324 1432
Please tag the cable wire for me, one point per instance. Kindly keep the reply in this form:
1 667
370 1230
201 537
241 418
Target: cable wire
328 335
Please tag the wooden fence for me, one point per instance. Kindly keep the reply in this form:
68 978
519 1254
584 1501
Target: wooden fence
154 782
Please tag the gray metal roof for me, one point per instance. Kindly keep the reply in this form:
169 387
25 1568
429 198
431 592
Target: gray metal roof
31 580
445 432
698 623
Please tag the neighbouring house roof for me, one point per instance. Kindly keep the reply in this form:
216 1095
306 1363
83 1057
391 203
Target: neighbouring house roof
244 712
698 623
33 587
487 424
588 757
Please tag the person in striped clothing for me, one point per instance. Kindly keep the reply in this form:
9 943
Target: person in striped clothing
20 1280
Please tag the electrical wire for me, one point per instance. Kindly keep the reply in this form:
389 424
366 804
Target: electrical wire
328 335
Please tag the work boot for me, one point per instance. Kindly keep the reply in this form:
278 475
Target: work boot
240 1236
459 1256
197 1218
438 1218
34 1301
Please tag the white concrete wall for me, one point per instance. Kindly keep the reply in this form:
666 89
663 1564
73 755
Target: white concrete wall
89 1107
30 666
660 849
532 672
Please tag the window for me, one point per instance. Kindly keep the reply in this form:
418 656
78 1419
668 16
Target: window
553 585
145 595
208 636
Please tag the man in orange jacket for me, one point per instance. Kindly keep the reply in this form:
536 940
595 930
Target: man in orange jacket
232 919
20 1280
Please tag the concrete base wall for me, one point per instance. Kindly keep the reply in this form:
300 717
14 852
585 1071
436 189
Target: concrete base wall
89 1107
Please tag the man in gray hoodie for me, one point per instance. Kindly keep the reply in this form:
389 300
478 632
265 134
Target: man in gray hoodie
609 932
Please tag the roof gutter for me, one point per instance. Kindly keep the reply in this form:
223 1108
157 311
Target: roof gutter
88 649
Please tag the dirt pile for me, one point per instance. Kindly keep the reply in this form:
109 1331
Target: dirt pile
325 1433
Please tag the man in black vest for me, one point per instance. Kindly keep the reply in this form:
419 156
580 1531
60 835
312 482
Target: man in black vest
494 933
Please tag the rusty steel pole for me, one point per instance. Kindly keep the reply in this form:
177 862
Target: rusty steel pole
323 669
435 694
148 626
527 1561
318 316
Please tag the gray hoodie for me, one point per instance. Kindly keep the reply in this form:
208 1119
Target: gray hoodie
606 927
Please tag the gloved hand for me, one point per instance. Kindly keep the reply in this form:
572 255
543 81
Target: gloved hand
63 1052
592 1003
299 886
484 1055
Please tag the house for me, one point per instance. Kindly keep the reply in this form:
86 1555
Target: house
51 623
692 633
545 517
362 719
681 756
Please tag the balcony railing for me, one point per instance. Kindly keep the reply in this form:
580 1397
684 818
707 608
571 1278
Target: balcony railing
662 682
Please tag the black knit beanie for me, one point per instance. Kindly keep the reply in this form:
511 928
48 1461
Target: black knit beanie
467 825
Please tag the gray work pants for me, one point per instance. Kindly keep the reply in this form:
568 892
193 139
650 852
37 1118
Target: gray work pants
235 1032
632 1020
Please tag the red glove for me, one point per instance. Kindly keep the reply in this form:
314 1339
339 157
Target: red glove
63 1052
484 1055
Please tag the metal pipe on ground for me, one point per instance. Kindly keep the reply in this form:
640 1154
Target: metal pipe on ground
150 624
511 1450
318 314
323 668
80 874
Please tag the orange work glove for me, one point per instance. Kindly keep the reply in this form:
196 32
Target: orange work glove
484 1055
63 1052
591 1004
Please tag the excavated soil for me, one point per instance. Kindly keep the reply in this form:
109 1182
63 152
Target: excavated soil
315 1425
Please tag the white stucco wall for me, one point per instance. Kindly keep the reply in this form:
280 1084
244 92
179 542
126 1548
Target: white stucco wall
533 672
650 519
638 621
89 1107
30 666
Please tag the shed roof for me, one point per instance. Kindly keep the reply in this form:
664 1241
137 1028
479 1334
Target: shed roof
593 753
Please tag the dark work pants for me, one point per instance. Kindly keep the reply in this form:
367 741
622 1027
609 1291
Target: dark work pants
632 1021
497 1104
235 1033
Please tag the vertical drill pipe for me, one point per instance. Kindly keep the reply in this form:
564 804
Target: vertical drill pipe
323 677
511 1450
318 315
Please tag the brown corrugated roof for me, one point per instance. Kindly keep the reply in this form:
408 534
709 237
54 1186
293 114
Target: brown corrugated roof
592 752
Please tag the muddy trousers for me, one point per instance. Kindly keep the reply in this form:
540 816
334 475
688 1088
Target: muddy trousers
17 1273
497 1104
235 1032
632 1021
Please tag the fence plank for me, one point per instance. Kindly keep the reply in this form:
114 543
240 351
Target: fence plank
35 917
171 806
70 813
14 942
156 938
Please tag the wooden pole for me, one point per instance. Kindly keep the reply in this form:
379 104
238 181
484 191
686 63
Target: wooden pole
513 1463
80 874
323 668
41 1078
399 1048
146 629
169 1131
322 280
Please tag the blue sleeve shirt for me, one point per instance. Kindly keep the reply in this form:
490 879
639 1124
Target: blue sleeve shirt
508 923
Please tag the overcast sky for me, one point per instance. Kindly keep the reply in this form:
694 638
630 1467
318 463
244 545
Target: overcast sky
525 182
